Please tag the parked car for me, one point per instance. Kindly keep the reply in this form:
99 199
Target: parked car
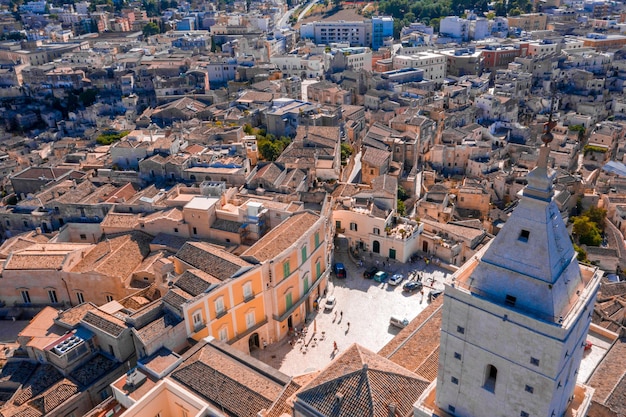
412 286
398 321
381 276
396 279
330 303
369 273
340 270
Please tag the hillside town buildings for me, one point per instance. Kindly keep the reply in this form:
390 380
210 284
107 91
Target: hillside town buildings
183 186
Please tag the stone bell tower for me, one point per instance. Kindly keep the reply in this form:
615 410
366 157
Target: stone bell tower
515 318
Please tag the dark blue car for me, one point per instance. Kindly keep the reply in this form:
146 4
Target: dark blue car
412 286
340 270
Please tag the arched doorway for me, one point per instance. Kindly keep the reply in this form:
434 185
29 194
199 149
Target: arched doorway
376 246
253 342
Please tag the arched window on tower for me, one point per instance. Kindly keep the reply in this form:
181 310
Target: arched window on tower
491 374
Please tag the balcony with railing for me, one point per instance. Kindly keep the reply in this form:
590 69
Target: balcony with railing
305 296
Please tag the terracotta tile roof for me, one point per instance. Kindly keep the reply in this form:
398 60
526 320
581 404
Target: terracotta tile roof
126 220
35 261
39 172
617 399
428 369
269 172
293 178
282 236
24 411
175 214
54 396
281 405
176 297
256 97
385 183
376 157
43 256
16 372
284 403
117 256
416 342
170 242
93 370
220 264
140 299
227 225
611 289
72 316
105 322
157 328
608 378
44 377
346 190
362 381
23 241
76 193
195 281
194 148
229 383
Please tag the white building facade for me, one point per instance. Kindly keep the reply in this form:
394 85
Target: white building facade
433 64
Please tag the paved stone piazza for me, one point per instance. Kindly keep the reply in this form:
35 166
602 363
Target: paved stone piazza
366 305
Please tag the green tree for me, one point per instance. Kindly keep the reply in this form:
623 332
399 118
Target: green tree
499 7
109 137
581 254
270 151
150 29
597 215
580 129
434 22
401 208
586 231
88 97
402 194
346 151
15 36
248 129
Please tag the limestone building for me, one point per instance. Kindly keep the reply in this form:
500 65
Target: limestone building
515 319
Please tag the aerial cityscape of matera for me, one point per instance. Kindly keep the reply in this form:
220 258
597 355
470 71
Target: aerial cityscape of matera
312 208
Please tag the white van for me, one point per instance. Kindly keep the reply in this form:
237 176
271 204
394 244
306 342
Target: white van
398 321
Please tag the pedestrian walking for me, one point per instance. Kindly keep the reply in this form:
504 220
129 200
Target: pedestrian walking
334 346
348 325
341 314
383 264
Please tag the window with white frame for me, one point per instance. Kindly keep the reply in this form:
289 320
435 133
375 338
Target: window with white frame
52 294
109 298
247 290
197 318
223 334
25 296
250 319
80 297
219 306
